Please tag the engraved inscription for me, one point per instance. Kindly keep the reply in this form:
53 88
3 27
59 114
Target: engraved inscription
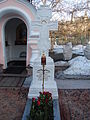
40 74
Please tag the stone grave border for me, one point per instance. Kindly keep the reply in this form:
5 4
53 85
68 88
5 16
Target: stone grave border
56 109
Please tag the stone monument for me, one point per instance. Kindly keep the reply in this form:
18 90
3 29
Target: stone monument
43 25
67 51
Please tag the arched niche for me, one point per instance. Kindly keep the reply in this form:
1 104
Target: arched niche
15 40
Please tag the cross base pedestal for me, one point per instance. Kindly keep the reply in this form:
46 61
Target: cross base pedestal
49 82
36 88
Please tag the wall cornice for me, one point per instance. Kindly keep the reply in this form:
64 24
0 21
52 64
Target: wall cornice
2 1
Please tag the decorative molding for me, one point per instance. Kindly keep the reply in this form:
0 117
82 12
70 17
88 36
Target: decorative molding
2 1
27 4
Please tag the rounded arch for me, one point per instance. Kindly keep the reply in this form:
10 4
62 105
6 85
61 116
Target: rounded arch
14 45
14 12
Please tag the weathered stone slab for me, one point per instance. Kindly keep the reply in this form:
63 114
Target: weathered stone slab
67 51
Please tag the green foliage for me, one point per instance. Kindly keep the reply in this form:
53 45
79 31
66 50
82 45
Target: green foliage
42 108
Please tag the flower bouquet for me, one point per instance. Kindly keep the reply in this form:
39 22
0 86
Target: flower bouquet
42 107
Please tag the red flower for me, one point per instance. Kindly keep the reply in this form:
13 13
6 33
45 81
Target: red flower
46 100
51 97
44 93
39 98
47 92
38 102
33 99
40 93
50 94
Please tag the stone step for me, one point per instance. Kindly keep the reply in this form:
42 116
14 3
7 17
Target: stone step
13 75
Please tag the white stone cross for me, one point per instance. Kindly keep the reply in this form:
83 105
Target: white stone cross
42 24
43 27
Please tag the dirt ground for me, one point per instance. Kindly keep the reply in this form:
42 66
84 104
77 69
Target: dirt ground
12 103
74 104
